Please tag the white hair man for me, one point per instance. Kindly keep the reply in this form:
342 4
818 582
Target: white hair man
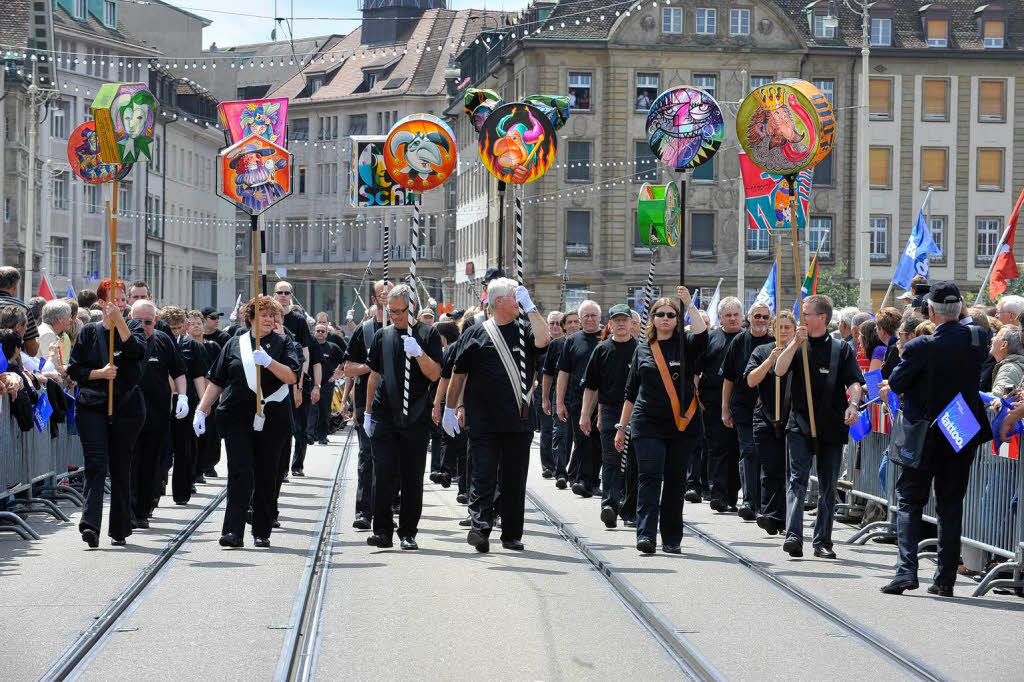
845 317
1009 308
495 366
56 319
585 461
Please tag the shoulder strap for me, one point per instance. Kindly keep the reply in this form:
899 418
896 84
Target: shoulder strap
507 361
388 347
682 420
368 334
830 381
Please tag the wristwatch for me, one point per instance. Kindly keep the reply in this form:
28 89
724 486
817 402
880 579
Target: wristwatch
622 427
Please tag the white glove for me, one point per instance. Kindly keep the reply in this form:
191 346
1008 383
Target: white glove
412 349
181 409
367 424
261 358
199 423
523 299
450 422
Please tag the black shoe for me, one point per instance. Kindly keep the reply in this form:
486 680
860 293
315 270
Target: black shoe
581 490
142 523
793 547
231 540
671 549
433 476
210 473
547 473
608 517
285 480
181 503
192 488
361 523
560 483
261 542
118 542
479 541
940 590
466 522
629 523
381 541
646 546
323 442
514 545
310 440
733 508
298 472
746 513
462 498
899 586
276 523
91 538
824 553
718 505
199 480
409 543
445 480
692 496
768 524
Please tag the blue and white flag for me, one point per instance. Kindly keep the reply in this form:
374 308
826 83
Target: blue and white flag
957 423
914 260
696 304
712 308
42 411
862 427
873 380
767 294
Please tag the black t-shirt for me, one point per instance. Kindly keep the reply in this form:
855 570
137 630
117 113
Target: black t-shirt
197 364
549 364
711 366
212 350
90 352
387 407
765 408
164 360
606 373
356 353
741 401
830 411
489 398
219 336
892 358
162 326
652 408
238 401
575 355
296 324
338 340
450 353
331 356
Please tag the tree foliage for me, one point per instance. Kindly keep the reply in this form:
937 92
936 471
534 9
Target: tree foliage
835 283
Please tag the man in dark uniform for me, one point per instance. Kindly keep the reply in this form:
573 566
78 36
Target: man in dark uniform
954 352
331 358
738 404
307 391
489 367
357 369
561 432
547 456
197 364
585 463
211 321
834 371
397 414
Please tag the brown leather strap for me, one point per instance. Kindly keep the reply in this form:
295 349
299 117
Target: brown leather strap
682 422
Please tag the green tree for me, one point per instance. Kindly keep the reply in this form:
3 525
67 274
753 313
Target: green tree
835 283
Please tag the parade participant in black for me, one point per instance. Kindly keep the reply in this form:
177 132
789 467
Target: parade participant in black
357 369
723 475
769 427
489 367
738 404
931 372
833 370
164 361
397 419
211 331
252 442
295 323
661 401
561 432
585 462
207 446
453 450
547 454
331 358
605 386
107 442
185 441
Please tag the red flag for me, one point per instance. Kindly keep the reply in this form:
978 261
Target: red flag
44 289
1006 267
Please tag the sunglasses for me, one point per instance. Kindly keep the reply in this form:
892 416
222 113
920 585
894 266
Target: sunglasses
762 317
148 323
669 315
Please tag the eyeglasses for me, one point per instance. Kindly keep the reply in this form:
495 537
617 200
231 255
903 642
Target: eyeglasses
282 293
148 323
398 312
762 317
669 315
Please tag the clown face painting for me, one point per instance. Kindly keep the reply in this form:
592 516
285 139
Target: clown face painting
420 152
84 157
517 143
786 127
254 174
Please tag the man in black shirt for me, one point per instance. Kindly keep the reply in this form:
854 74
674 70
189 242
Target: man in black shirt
585 463
197 364
833 370
357 369
489 365
331 358
547 457
738 404
307 391
722 447
404 359
561 432
211 321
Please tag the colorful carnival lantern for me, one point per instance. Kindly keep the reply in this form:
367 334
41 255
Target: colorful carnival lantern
659 214
84 157
420 152
125 115
685 127
254 174
267 118
517 143
370 184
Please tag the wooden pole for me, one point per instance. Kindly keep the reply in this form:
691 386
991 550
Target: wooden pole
778 341
112 294
793 207
254 224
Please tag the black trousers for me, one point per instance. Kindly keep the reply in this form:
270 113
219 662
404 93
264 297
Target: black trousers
184 439
771 452
612 483
434 442
364 481
510 452
146 455
323 412
401 453
453 455
697 469
627 508
585 463
107 446
252 470
209 443
662 466
301 423
723 458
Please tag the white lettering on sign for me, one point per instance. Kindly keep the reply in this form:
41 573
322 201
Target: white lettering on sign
952 430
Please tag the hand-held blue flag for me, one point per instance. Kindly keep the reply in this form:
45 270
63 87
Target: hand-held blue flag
957 423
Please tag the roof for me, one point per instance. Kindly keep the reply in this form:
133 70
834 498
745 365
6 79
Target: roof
61 19
14 24
205 21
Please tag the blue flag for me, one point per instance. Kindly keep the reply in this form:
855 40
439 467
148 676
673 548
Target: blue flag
862 427
894 403
3 362
882 470
957 423
767 294
696 304
873 380
70 417
42 411
70 293
914 260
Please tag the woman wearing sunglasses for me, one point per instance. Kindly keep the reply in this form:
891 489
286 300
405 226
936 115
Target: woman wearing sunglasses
661 403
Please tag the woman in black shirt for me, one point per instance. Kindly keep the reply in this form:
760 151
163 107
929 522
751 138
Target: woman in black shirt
107 442
661 401
253 443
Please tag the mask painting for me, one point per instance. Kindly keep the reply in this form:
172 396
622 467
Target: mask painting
254 174
125 115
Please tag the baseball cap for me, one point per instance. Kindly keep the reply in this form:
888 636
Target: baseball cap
493 273
619 309
209 311
905 296
945 292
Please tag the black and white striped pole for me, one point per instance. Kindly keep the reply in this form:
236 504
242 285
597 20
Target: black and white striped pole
414 243
645 314
517 195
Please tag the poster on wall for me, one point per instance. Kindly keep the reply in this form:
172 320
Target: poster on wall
370 184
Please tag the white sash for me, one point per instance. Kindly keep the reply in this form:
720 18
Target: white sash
249 365
511 368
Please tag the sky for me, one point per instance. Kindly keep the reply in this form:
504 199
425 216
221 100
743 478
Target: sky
230 29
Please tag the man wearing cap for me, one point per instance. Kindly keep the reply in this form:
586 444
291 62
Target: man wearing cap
547 456
585 462
931 372
211 331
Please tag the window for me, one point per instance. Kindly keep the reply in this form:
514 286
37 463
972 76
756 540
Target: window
646 90
881 167
153 272
577 233
637 296
156 153
935 93
328 128
579 91
579 161
702 234
123 197
59 116
938 228
934 168
317 82
299 129
823 175
80 6
758 242
672 20
357 124
574 295
90 259
110 13
7 209
820 233
821 30
328 173
879 230
827 87
760 81
880 99
881 32
125 267
302 180
60 191
706 81
994 32
59 255
706 21
991 101
739 22
646 163
92 199
65 52
380 124
990 170
704 172
987 238
938 32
